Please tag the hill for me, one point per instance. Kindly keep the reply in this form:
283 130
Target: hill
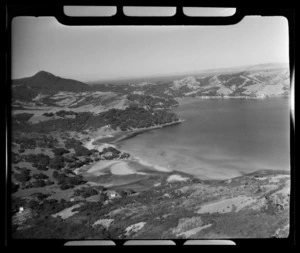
46 83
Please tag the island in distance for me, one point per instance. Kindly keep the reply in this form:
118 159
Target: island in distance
71 181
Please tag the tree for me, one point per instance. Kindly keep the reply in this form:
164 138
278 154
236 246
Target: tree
57 163
68 171
49 182
55 174
82 151
125 156
130 192
122 193
65 186
22 177
76 180
33 204
89 192
38 183
61 178
23 170
60 151
16 203
40 196
50 114
41 167
71 143
40 176
14 187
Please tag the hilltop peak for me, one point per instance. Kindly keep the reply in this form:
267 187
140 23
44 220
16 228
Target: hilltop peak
44 74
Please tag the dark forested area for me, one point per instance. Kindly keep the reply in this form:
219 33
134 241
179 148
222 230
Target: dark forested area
131 117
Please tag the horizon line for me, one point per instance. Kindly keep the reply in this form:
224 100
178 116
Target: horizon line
150 76
200 71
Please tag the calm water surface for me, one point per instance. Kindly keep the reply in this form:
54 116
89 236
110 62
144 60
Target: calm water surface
220 138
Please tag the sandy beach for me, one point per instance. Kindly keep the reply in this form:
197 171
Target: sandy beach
121 167
97 168
105 137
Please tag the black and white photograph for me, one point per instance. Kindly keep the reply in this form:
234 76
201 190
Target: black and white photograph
151 131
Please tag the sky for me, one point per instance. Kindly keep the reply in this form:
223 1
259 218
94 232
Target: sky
107 53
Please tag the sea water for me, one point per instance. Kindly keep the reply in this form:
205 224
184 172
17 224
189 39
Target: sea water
220 138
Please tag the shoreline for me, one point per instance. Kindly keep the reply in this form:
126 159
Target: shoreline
188 99
100 141
119 136
101 169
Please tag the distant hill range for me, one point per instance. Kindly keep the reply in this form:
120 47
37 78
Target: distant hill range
258 81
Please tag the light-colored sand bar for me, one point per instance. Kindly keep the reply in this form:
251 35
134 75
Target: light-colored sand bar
97 167
121 168
116 167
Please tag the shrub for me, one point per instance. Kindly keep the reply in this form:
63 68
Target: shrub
65 186
33 204
122 193
28 185
86 192
15 158
14 187
76 180
40 176
40 196
73 165
72 143
39 160
61 178
57 163
26 143
49 182
125 156
60 151
110 149
82 151
41 167
38 183
55 174
23 170
22 177
70 159
50 114
16 203
68 171
23 117
63 113
88 160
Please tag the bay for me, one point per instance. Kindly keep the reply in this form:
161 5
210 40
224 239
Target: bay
220 138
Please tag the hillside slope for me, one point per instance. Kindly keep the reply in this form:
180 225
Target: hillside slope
251 206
